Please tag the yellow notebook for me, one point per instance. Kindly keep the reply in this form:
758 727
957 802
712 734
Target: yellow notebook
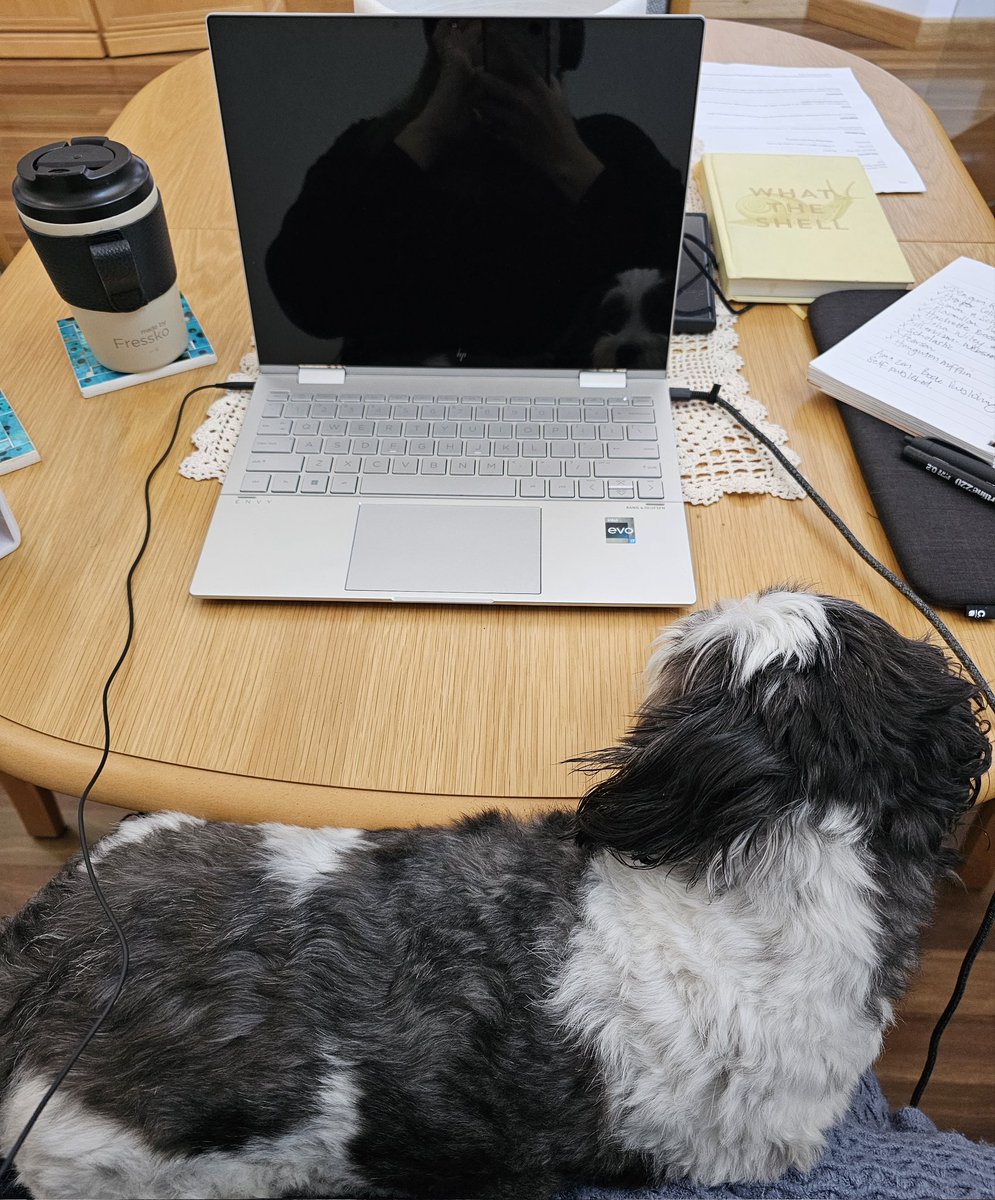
790 227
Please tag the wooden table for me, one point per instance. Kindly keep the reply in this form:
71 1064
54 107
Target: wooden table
363 714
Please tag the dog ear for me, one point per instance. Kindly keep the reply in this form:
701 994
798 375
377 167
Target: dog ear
697 781
900 739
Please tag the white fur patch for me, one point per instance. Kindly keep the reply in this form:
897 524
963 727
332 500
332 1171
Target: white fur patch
731 1027
137 829
73 1151
304 857
771 627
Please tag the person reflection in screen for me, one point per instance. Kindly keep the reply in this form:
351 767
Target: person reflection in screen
477 222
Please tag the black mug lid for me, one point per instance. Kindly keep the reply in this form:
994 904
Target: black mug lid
86 179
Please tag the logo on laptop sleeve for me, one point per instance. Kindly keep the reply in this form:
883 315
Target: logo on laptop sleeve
620 529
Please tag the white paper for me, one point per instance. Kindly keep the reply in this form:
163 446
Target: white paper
927 363
748 109
503 8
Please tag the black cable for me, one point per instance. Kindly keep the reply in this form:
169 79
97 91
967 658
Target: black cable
8 1163
704 270
714 397
956 996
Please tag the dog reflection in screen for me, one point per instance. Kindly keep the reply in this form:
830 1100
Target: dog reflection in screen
685 977
633 322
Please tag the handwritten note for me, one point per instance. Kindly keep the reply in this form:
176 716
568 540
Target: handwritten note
927 363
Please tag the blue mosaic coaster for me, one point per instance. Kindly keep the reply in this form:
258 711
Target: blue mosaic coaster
94 378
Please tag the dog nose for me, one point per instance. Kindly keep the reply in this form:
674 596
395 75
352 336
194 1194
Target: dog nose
627 355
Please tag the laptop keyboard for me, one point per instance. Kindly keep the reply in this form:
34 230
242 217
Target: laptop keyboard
555 448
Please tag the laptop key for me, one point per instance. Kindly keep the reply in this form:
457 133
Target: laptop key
613 469
275 462
532 489
313 485
472 487
254 481
285 483
634 416
273 445
591 489
628 450
343 485
650 489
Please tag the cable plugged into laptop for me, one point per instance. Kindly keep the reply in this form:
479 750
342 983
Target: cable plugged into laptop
715 397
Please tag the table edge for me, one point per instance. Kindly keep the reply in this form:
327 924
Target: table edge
148 785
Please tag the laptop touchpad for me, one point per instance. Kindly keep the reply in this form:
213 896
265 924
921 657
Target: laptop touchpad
440 548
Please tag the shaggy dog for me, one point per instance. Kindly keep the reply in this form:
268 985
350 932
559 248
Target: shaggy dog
686 976
634 320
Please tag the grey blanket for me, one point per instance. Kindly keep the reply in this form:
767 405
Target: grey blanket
873 1154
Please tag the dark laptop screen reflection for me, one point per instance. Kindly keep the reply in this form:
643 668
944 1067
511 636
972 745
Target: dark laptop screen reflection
507 207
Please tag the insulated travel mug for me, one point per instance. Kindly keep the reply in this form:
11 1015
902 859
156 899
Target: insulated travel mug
94 214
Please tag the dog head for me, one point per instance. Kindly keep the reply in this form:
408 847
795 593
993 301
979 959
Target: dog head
783 713
633 321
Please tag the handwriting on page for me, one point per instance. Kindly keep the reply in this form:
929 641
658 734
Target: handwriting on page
940 347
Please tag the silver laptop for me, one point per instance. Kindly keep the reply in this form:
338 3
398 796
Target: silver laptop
461 238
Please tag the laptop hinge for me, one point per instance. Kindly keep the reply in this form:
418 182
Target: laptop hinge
602 379
311 373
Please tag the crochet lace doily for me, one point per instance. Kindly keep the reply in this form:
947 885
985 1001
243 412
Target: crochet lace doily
716 455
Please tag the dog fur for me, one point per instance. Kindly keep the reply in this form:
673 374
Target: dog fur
634 321
686 976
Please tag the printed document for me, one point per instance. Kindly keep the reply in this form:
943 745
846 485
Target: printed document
747 109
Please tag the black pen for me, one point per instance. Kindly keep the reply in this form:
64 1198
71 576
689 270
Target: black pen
972 482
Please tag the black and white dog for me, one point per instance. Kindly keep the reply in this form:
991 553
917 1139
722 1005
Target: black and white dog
633 321
686 976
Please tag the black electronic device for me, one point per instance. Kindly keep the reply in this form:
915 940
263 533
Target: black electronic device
695 311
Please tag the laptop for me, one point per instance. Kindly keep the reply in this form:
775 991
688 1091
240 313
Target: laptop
461 239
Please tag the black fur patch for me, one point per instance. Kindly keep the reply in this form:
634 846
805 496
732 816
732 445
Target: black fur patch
418 961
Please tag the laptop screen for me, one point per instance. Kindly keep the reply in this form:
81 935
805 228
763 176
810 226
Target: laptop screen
459 192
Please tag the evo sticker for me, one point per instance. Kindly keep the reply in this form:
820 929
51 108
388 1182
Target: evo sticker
620 529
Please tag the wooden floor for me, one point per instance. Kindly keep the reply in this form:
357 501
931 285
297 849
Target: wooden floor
44 101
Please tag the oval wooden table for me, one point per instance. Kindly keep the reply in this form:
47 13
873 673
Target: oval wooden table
356 714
